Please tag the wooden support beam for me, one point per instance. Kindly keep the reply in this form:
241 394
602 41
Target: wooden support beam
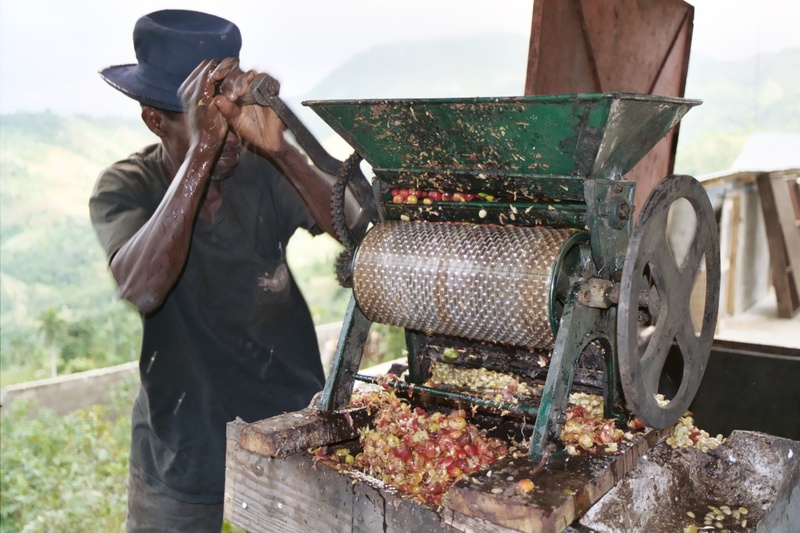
779 198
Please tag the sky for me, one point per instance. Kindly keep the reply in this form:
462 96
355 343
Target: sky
51 50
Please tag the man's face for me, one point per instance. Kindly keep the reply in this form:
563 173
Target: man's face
228 157
178 139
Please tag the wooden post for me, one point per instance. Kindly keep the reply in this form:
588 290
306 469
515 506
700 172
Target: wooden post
779 200
614 46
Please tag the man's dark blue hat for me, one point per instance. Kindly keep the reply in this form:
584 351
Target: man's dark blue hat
169 45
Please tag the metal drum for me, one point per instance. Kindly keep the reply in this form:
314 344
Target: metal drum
480 282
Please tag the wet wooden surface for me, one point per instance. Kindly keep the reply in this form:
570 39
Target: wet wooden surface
565 487
292 493
289 433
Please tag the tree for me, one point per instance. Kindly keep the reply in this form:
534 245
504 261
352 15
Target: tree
52 327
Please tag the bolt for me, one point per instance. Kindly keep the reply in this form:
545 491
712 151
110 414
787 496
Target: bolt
624 210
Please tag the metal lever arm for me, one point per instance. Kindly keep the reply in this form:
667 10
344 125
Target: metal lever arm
264 91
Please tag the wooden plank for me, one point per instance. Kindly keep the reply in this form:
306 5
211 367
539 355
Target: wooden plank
370 505
565 488
745 277
286 495
473 524
733 258
289 433
753 280
296 495
784 240
726 253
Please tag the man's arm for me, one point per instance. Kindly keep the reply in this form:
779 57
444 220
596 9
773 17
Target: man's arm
314 185
263 129
149 264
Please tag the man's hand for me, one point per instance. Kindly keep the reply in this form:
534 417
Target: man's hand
258 125
262 128
199 92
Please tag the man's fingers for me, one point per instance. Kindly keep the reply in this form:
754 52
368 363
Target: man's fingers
227 107
224 68
236 84
195 79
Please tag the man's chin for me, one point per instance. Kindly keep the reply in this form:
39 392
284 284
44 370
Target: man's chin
225 167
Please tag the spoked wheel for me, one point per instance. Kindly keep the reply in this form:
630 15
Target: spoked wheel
668 277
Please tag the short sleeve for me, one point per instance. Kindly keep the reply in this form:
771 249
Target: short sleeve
124 198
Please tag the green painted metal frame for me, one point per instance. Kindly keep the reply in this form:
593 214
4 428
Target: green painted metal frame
554 161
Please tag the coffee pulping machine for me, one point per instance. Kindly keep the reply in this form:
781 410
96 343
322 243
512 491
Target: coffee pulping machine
502 236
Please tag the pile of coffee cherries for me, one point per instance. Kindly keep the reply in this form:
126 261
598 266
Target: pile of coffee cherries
687 435
417 196
586 430
417 452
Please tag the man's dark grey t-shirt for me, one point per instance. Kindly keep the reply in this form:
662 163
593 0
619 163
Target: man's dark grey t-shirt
233 338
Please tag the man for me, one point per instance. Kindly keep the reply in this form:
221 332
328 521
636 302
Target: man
195 229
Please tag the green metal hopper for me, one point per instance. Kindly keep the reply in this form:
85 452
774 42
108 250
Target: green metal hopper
533 151
577 136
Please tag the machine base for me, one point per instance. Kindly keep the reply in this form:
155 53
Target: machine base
269 491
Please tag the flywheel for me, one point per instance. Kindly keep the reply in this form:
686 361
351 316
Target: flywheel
669 301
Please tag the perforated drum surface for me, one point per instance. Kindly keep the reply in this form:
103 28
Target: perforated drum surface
480 282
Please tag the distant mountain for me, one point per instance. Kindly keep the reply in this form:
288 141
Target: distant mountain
761 93
495 66
757 94
427 69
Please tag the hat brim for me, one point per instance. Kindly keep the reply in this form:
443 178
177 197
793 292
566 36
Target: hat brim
125 79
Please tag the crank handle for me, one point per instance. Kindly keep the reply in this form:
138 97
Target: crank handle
263 91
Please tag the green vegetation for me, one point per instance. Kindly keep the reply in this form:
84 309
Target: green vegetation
65 473
58 304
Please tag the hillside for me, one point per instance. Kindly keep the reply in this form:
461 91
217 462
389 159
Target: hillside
49 257
739 99
760 93
52 271
426 69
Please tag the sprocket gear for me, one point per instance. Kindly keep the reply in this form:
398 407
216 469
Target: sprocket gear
344 268
350 177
